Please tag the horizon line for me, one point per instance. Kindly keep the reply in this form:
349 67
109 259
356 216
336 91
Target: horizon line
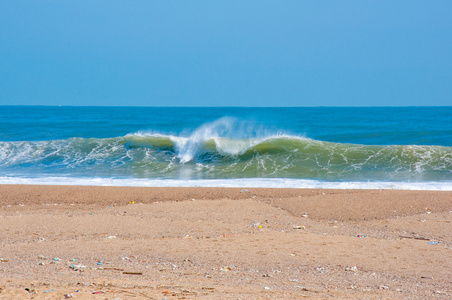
231 106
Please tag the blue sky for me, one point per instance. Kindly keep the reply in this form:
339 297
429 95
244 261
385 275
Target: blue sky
226 53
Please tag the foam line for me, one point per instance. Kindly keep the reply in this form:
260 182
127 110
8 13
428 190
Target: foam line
239 183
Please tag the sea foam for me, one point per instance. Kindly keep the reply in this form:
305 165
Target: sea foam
238 183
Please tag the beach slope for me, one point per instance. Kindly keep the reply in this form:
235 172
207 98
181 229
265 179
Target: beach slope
223 243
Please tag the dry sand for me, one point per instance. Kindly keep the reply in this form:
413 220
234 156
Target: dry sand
223 243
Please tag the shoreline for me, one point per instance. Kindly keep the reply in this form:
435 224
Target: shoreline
278 183
260 243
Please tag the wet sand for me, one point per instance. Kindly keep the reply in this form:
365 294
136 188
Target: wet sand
223 243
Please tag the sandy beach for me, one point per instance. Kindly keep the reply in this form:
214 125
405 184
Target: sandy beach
223 243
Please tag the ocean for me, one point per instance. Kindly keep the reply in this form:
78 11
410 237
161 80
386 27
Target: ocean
302 147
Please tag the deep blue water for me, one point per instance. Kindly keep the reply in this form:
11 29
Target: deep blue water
321 144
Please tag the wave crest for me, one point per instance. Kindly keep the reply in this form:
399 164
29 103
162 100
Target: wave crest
223 149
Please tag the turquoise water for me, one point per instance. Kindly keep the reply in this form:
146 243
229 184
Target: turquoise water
213 146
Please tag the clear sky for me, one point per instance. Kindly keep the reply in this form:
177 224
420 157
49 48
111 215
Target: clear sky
226 53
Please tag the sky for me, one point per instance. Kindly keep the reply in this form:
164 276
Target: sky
226 53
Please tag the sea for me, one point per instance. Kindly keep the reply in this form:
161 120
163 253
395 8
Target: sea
406 148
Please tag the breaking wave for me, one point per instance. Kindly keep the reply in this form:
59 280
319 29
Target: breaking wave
211 152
